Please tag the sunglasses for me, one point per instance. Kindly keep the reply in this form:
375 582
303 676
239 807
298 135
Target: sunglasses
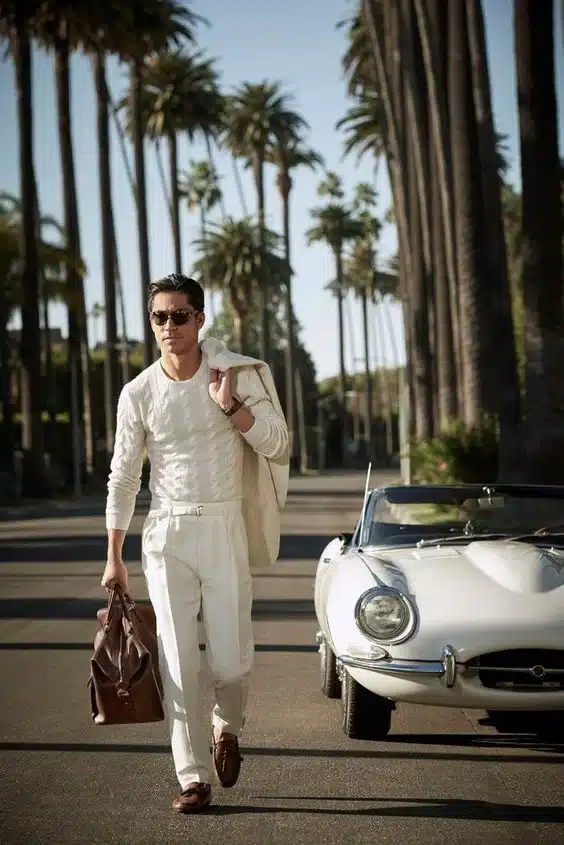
179 318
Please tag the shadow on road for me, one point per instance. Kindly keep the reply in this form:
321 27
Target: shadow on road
70 549
65 608
329 753
423 808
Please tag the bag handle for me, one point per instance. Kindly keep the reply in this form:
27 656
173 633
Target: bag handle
126 602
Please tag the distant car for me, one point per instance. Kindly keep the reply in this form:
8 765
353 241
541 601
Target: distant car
450 596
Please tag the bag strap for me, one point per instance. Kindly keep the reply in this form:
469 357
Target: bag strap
124 600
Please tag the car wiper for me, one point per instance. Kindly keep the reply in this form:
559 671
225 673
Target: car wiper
453 538
531 537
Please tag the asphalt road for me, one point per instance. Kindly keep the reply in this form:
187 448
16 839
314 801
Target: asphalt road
441 775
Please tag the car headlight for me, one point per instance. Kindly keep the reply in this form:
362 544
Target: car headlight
386 614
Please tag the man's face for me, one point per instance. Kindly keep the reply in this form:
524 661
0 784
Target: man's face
172 338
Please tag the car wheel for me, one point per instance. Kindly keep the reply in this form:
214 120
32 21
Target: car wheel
365 714
330 683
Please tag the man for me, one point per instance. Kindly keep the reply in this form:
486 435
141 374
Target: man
217 441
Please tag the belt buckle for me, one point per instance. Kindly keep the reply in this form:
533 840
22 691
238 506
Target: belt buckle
199 510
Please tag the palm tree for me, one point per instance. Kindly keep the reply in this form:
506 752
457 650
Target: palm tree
257 114
230 253
542 239
156 26
180 94
335 225
48 259
364 125
287 154
16 19
360 270
52 262
200 188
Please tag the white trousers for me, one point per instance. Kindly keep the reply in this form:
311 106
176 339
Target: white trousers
195 558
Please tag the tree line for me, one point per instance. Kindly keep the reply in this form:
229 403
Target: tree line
483 339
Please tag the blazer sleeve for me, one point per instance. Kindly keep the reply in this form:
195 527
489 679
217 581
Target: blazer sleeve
268 435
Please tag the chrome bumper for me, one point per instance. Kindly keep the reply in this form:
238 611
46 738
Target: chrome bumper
446 668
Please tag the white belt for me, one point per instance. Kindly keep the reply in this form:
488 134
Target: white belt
176 508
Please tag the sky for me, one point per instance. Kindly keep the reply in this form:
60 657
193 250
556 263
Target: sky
299 44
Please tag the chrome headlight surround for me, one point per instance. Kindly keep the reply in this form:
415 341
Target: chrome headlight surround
409 614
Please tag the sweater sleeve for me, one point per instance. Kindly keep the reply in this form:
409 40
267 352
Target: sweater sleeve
268 435
124 481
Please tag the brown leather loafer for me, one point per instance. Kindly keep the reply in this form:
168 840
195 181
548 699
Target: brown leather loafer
193 799
227 759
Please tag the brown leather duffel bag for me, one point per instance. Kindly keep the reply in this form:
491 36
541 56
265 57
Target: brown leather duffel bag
125 684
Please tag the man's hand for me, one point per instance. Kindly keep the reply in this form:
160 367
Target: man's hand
221 388
115 575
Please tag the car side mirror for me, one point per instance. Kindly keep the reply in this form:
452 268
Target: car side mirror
346 538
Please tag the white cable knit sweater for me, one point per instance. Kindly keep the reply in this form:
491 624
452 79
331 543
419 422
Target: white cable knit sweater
195 451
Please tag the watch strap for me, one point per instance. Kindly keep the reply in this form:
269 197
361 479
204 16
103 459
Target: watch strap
237 404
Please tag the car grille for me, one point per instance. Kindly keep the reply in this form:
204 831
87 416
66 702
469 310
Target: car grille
521 670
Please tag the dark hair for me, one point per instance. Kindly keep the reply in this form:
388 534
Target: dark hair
179 284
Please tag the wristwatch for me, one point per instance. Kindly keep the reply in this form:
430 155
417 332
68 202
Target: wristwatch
237 404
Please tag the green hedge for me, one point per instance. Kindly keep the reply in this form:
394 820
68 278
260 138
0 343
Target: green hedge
459 454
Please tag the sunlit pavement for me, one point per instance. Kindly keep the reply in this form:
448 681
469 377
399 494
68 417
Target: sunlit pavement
440 776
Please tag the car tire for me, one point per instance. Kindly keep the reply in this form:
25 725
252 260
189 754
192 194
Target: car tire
330 683
365 715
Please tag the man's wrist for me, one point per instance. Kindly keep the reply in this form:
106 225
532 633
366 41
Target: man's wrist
235 406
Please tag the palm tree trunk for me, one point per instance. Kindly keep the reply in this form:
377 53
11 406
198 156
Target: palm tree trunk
111 362
239 184
48 372
355 403
396 157
240 325
124 356
141 202
542 240
433 32
419 296
175 200
164 186
30 351
8 446
78 328
123 147
301 422
368 425
384 41
213 170
342 369
446 374
119 286
285 186
416 102
258 168
506 371
469 213
384 378
206 265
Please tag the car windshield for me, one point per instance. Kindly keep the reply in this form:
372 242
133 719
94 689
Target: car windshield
407 514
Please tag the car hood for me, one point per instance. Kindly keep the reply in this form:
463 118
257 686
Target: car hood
506 564
499 593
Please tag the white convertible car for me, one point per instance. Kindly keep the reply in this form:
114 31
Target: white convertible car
450 596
